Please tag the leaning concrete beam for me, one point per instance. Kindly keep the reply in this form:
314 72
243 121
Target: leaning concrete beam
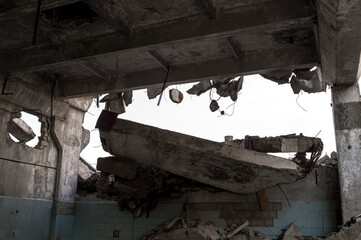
223 166
303 55
227 24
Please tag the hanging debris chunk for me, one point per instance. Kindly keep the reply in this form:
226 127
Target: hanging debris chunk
114 103
175 95
280 76
301 79
223 166
128 97
308 81
200 88
20 130
228 88
214 106
154 92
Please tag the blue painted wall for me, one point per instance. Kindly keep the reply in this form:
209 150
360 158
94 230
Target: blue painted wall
24 219
30 219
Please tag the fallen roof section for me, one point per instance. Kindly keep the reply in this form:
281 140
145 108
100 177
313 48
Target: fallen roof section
223 166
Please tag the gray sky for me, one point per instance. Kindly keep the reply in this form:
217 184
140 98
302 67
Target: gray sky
263 108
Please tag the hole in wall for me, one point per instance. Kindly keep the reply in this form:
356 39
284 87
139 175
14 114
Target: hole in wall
70 15
25 129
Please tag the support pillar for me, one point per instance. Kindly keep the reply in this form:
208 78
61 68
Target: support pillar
68 137
347 120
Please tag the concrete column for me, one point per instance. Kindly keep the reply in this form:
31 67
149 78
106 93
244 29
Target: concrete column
68 138
347 120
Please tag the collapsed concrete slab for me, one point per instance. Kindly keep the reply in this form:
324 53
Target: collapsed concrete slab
217 164
19 129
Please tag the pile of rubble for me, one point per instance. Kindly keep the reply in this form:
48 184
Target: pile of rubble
136 187
327 161
183 228
180 228
351 230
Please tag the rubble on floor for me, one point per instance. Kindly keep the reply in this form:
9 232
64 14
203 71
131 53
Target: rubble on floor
182 228
85 170
350 230
292 232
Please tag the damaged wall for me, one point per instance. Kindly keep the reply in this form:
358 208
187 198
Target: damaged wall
29 183
314 206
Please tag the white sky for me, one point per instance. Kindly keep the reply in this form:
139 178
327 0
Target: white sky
263 108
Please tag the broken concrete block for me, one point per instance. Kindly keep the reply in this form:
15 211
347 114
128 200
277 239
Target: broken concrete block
353 232
154 92
237 230
214 106
176 223
114 102
308 81
256 235
239 237
328 162
117 105
120 167
109 97
199 88
280 76
292 232
85 138
205 232
216 164
85 169
286 143
128 97
236 86
19 129
175 95
226 87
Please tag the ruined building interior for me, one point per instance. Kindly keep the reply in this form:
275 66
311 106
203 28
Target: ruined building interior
59 56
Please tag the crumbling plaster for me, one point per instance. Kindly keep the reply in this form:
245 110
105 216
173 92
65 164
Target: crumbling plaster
32 172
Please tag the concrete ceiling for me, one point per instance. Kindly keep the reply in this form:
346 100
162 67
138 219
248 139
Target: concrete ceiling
91 47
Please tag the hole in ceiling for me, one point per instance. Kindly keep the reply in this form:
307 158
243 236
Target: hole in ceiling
70 15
